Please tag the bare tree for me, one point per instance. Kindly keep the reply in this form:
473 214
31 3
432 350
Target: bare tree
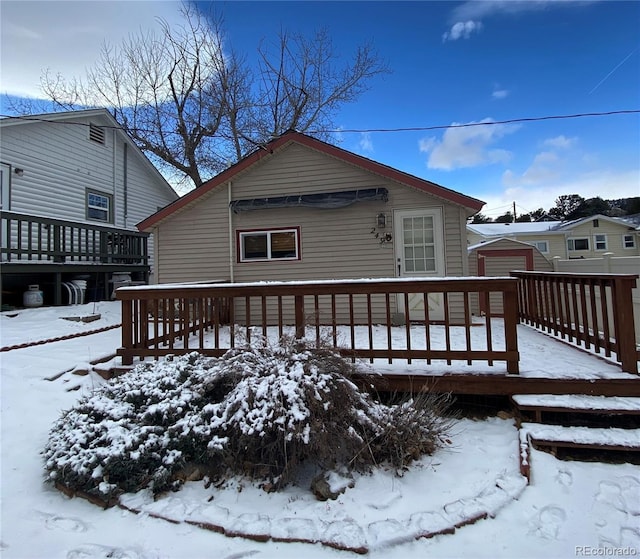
194 104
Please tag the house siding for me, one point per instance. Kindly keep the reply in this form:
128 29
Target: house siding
60 163
614 233
557 239
335 244
496 266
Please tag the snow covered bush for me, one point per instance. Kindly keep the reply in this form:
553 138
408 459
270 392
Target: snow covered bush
261 410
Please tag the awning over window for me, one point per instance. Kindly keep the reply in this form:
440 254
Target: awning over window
323 200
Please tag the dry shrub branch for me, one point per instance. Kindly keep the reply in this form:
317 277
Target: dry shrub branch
262 410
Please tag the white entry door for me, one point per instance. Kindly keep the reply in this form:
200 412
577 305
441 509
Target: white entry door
420 253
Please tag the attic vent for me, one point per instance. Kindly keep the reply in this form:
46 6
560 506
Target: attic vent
96 133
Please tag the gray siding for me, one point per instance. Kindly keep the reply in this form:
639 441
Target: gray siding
60 163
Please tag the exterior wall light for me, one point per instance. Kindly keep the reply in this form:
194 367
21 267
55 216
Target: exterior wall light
381 221
18 171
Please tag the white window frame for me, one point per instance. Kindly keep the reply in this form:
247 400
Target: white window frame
571 244
100 208
596 242
241 235
625 238
538 244
5 188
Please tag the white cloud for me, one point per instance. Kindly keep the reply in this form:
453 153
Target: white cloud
467 146
366 143
500 93
544 168
532 194
462 30
474 11
38 35
560 142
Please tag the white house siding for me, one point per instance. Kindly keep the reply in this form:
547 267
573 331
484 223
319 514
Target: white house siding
60 163
335 243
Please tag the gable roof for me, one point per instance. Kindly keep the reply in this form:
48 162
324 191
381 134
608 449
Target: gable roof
574 223
102 115
292 136
492 242
518 228
538 227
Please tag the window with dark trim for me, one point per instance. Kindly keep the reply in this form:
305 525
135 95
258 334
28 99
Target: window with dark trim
628 241
600 242
99 206
578 244
269 244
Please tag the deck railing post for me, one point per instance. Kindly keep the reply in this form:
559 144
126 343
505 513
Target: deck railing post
127 332
510 304
624 323
299 316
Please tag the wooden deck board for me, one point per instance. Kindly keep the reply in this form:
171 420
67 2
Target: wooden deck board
501 385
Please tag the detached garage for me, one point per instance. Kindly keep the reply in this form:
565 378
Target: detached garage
498 258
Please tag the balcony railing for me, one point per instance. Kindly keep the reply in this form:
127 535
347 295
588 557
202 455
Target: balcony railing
357 317
29 238
594 311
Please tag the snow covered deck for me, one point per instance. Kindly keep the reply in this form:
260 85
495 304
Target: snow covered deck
444 346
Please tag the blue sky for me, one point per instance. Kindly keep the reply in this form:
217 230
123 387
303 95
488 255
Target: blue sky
450 62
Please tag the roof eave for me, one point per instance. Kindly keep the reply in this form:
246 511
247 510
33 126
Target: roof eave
472 204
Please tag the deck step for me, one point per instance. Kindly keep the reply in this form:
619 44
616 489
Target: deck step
558 436
538 404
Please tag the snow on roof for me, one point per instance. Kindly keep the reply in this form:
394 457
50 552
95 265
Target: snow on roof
492 229
494 241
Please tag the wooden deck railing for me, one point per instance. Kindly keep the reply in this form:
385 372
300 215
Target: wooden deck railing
594 311
25 237
358 317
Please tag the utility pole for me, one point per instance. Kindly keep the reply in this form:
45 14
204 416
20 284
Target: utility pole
514 212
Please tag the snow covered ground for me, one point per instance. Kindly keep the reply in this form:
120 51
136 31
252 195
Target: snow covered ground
570 509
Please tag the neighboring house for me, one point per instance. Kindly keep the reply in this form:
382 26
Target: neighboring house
499 257
301 209
589 237
73 187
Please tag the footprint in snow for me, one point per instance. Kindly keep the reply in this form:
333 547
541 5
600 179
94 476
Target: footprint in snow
611 493
547 523
95 551
65 523
565 478
242 554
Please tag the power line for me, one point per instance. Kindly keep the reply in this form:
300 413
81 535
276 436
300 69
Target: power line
491 123
363 130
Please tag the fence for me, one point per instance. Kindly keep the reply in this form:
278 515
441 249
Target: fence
162 320
591 310
608 264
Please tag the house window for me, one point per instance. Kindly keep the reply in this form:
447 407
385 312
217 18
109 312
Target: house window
628 241
272 244
99 206
600 242
578 244
596 223
542 246
96 133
